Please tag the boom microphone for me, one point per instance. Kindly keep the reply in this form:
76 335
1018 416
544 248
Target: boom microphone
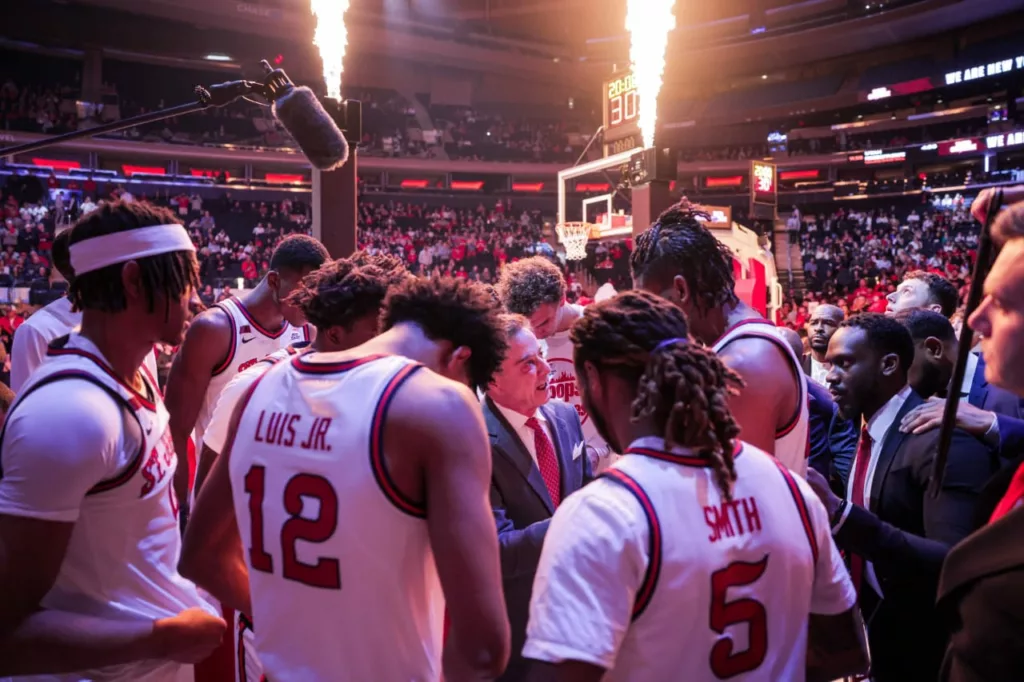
302 115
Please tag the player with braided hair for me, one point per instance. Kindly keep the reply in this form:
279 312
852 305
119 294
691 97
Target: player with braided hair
686 514
680 259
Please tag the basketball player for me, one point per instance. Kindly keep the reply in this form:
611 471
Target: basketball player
689 520
55 319
535 288
89 537
377 461
233 335
342 300
678 258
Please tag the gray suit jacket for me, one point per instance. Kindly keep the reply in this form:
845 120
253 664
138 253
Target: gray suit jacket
522 507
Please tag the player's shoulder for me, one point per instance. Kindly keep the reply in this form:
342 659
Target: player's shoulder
77 403
216 318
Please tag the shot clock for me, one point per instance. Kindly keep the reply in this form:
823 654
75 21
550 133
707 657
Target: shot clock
621 114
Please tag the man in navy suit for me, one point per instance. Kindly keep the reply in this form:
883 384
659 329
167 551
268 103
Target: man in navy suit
539 459
987 412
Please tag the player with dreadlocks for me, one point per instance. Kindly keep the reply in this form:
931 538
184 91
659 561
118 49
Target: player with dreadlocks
686 514
89 537
678 258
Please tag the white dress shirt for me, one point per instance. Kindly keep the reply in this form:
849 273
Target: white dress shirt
517 421
969 372
819 370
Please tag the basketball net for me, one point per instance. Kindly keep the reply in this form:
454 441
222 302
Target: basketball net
573 237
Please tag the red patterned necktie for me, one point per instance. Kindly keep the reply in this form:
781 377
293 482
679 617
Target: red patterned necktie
861 464
547 461
1013 496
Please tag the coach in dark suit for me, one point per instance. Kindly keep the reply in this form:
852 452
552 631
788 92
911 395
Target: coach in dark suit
539 459
985 411
896 533
982 584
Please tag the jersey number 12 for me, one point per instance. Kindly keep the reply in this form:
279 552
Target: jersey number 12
325 573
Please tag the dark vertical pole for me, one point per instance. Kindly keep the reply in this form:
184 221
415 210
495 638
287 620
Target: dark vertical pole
649 201
335 207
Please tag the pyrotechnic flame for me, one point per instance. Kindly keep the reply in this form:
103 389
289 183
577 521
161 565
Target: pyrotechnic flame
649 23
331 38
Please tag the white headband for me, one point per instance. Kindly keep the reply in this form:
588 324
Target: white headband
121 247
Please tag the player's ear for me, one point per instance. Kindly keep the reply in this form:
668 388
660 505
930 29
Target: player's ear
131 280
681 291
457 361
273 279
934 348
890 364
592 381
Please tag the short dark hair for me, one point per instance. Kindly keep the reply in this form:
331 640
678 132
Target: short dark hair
461 312
679 244
392 266
922 323
886 335
941 291
60 254
340 293
528 284
298 252
171 274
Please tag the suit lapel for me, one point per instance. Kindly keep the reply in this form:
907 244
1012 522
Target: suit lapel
890 446
508 443
979 387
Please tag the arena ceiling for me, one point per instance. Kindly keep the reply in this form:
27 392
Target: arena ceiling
570 42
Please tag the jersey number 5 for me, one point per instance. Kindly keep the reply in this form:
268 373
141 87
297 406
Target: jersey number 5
726 663
325 573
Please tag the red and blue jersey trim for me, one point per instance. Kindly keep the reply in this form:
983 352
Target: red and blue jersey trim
654 543
256 325
300 364
226 362
380 472
801 508
138 400
133 466
794 367
676 458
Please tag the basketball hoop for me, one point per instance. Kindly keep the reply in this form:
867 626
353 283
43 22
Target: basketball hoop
573 237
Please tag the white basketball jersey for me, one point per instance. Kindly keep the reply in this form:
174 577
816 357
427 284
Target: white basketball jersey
669 581
250 343
792 443
342 575
122 559
563 386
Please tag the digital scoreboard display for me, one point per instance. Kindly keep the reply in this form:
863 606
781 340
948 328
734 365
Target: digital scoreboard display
763 183
621 111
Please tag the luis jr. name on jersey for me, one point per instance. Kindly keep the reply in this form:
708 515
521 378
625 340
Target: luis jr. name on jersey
284 428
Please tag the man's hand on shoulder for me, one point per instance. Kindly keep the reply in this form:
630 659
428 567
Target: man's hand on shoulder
928 416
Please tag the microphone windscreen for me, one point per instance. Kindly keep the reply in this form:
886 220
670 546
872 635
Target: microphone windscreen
316 133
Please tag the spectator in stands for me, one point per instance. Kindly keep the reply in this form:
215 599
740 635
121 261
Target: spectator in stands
924 290
50 322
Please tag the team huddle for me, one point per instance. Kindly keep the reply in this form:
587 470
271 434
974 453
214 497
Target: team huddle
341 517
